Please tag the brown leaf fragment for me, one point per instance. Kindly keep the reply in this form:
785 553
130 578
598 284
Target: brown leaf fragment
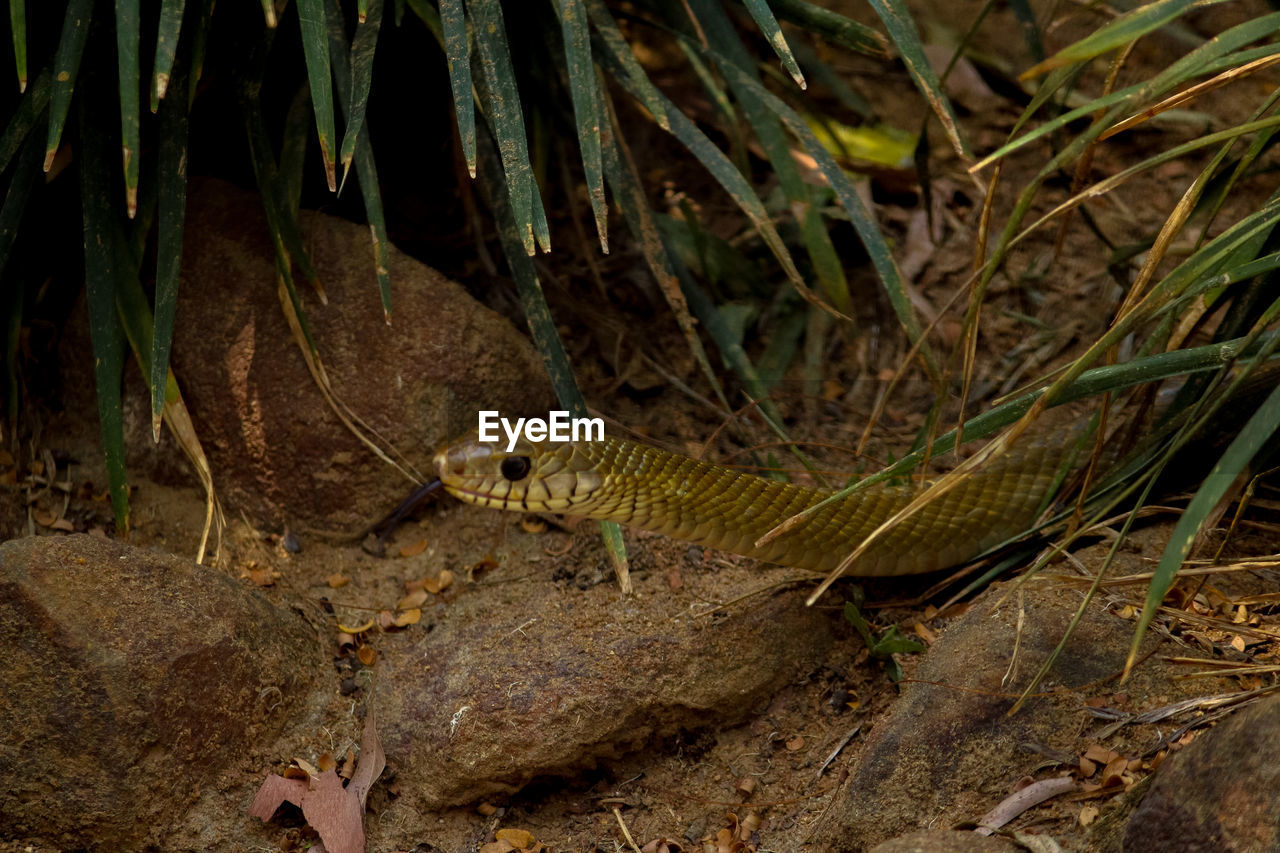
486 809
517 838
372 759
337 580
1100 754
795 743
439 583
326 762
64 525
414 549
412 600
276 790
1088 815
746 787
367 655
406 618
1087 768
1113 773
43 517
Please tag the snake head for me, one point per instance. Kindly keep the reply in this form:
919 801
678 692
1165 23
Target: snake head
545 476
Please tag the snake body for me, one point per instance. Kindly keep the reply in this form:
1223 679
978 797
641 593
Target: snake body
643 486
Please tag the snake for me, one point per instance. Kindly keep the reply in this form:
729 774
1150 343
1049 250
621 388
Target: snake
723 508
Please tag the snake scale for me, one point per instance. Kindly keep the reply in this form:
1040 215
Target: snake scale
719 507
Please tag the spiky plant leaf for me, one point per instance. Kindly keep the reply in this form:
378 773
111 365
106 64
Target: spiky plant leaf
66 67
167 35
315 47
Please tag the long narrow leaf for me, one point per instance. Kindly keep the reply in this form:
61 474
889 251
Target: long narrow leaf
453 24
18 28
105 336
15 201
643 89
1259 429
128 37
315 47
361 76
168 32
768 25
902 30
728 49
366 168
833 26
24 119
507 120
1124 29
66 67
584 87
171 189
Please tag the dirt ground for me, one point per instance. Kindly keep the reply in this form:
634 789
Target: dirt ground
766 783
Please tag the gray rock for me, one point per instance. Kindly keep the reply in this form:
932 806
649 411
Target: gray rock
130 681
1222 792
483 705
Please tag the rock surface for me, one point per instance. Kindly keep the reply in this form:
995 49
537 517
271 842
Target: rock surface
486 703
1222 792
917 767
276 447
130 681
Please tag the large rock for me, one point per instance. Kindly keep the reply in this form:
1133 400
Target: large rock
486 703
1222 792
949 751
130 682
276 447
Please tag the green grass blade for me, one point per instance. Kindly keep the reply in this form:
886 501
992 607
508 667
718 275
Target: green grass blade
269 13
25 118
199 43
868 232
584 88
168 33
15 202
902 30
171 191
128 38
639 218
1259 429
833 27
100 262
360 74
506 117
18 28
769 28
362 10
457 51
713 160
642 87
722 38
366 167
542 325
1124 29
66 66
315 47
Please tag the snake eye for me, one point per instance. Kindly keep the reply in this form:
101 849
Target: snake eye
515 467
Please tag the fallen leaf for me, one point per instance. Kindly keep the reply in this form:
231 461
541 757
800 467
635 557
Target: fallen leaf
43 517
334 811
367 655
63 524
407 617
337 580
326 762
486 809
795 743
1088 815
359 629
439 583
412 600
518 838
415 549
533 524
